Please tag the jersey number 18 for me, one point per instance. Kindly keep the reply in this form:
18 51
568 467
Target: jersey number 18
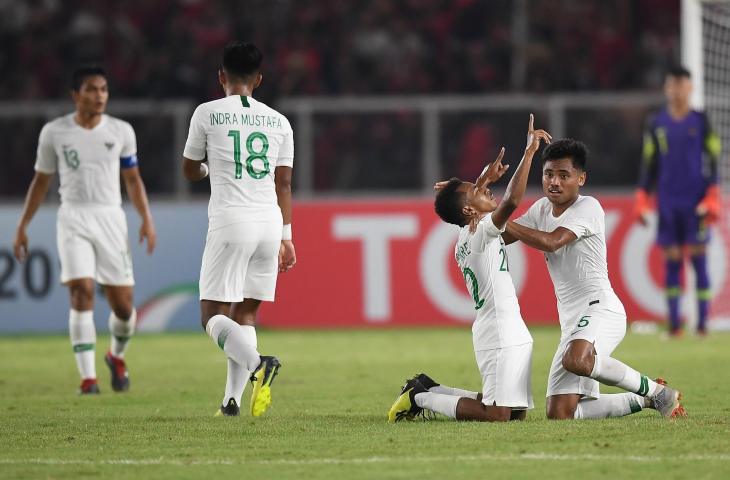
252 154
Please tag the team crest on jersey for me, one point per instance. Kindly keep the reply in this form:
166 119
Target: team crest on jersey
109 145
692 132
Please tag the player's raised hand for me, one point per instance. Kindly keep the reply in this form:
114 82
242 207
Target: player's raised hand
20 245
534 137
147 230
493 171
287 256
440 185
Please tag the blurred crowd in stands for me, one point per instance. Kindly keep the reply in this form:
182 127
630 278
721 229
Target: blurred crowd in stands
171 48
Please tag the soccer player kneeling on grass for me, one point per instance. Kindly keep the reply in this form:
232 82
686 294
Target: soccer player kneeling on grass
502 343
250 152
570 229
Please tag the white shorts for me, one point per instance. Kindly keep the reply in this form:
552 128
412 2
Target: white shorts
241 261
506 377
92 243
601 321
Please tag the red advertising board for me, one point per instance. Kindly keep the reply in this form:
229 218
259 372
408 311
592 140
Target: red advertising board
391 262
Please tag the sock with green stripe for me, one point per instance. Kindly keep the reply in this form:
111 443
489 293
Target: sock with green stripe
121 331
83 340
610 405
238 375
230 337
612 372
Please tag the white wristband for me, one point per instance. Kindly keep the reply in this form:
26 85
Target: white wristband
286 232
205 167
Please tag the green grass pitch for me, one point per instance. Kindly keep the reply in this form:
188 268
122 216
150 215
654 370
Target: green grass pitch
328 418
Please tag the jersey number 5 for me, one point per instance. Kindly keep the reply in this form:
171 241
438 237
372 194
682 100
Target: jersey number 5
252 154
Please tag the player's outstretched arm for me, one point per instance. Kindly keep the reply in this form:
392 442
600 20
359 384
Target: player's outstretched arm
282 181
138 194
194 170
33 199
544 241
516 187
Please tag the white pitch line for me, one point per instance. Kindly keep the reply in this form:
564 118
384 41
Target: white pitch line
370 460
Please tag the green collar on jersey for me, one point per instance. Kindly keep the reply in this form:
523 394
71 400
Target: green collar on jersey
244 101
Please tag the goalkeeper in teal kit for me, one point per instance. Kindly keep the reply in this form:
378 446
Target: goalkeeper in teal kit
679 165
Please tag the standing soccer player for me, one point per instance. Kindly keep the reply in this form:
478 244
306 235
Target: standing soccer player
570 229
680 161
88 149
502 343
250 153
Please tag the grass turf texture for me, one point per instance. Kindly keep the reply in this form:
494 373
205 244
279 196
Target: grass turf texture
328 418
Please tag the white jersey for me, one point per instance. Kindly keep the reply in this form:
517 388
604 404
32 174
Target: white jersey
87 160
482 259
578 269
244 141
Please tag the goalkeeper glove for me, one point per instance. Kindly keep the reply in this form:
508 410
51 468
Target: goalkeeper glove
709 207
642 205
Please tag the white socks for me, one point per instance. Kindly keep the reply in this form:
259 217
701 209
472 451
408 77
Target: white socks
457 392
437 402
239 344
610 371
238 375
609 405
83 340
120 332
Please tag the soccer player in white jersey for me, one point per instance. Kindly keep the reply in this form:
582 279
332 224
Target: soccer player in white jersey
502 343
249 149
88 149
570 229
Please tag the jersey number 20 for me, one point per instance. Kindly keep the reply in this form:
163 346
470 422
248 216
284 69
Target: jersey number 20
252 154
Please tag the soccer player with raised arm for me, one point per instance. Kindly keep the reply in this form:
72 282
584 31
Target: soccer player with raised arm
681 153
249 148
570 229
502 343
89 149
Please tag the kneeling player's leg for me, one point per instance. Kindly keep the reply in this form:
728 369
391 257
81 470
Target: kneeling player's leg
581 359
82 330
586 360
565 388
507 386
610 405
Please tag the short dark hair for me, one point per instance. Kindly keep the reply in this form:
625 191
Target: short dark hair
567 148
241 59
449 203
82 73
678 71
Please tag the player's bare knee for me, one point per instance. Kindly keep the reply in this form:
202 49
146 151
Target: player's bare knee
559 414
124 311
578 364
82 295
